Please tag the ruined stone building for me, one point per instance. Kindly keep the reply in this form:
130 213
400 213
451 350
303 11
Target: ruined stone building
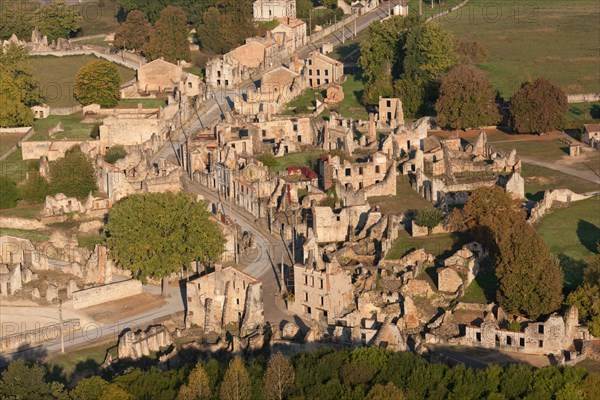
336 226
591 135
295 31
404 138
557 335
460 268
225 300
390 114
355 175
162 76
323 291
268 10
323 70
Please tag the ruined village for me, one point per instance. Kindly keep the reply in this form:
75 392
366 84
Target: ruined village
338 225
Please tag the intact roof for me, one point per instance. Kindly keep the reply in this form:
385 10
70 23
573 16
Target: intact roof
592 127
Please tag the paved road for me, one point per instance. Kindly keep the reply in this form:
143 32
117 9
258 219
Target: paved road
91 333
587 175
264 263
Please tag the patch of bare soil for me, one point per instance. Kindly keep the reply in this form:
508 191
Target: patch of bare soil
123 308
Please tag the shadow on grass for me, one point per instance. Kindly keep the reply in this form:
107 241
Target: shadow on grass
572 271
589 235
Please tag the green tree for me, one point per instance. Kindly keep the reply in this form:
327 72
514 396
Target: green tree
591 274
529 280
9 195
236 382
57 20
26 382
429 217
413 94
19 88
73 175
170 37
98 82
35 188
198 386
17 19
115 153
538 107
226 26
157 234
466 99
387 392
587 300
134 33
429 52
89 389
279 377
115 392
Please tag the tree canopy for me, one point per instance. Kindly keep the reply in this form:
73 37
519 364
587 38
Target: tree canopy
405 57
156 234
9 195
57 20
226 25
73 175
236 382
19 88
279 377
538 107
429 218
98 82
169 39
134 33
466 99
529 280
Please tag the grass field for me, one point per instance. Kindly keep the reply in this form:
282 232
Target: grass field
13 166
351 107
583 113
482 289
146 103
438 245
98 17
31 235
8 140
63 366
305 159
572 234
406 199
23 211
57 74
539 179
558 39
72 125
305 103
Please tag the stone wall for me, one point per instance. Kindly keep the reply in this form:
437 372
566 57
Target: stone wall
105 293
21 223
550 196
57 149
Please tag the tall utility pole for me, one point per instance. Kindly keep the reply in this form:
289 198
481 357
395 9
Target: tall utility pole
60 321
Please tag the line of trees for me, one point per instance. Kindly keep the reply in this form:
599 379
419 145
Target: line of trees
366 373
423 65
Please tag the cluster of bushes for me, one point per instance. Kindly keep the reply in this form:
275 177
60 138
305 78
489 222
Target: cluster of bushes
72 175
364 373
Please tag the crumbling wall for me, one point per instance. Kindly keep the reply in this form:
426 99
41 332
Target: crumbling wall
550 196
105 293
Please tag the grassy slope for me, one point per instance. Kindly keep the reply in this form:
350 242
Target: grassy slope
57 74
406 199
572 233
558 39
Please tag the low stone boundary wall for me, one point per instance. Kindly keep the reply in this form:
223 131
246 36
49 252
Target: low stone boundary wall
28 133
23 129
33 337
25 224
583 98
105 293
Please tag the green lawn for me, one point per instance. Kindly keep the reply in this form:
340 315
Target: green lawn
572 234
351 107
437 245
558 39
14 167
23 211
8 140
34 236
305 103
98 16
146 103
90 241
482 290
539 179
406 199
57 74
306 159
583 113
62 367
74 129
